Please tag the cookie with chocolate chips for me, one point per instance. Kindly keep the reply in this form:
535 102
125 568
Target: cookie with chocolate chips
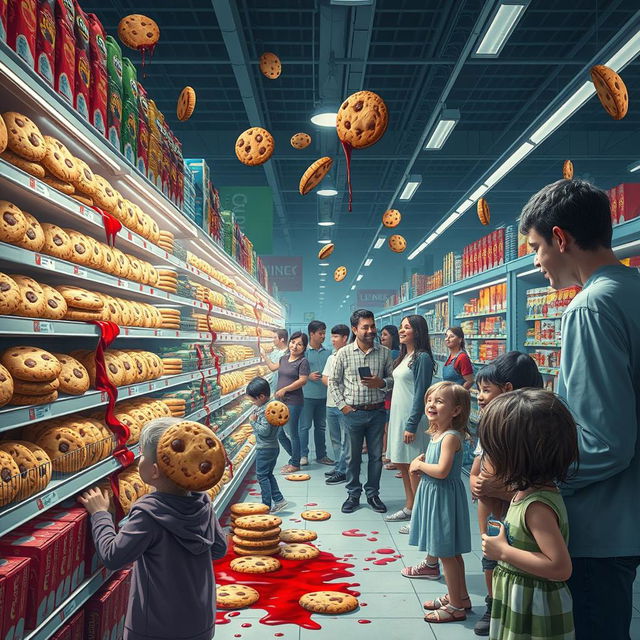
74 377
9 295
55 306
65 447
362 119
13 224
59 162
254 146
32 298
33 238
24 137
57 242
31 364
6 385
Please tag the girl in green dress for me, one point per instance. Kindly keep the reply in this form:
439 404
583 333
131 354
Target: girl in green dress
529 439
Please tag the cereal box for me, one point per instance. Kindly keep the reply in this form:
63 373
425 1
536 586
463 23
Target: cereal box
14 589
22 22
64 81
83 64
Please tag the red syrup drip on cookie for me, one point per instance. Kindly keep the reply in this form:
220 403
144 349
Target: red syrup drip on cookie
111 225
281 590
347 148
143 51
354 533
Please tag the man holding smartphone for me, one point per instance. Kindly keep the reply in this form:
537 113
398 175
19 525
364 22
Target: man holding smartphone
362 375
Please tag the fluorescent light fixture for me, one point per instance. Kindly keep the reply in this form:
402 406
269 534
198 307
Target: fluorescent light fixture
447 223
379 242
481 286
563 112
326 223
330 191
625 54
514 159
464 206
368 261
431 238
325 241
479 192
347 297
500 29
416 251
353 286
322 286
426 302
411 187
322 274
530 272
634 166
360 276
448 120
325 117
352 3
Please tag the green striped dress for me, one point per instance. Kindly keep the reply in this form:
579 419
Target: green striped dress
524 606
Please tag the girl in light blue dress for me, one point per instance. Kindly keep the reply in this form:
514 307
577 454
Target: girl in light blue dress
440 518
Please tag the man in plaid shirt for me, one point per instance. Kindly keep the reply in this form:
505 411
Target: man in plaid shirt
361 400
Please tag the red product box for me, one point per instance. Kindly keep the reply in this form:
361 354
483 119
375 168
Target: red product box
628 201
143 131
613 202
22 26
46 40
14 589
41 551
4 6
485 254
65 50
64 633
98 75
82 77
77 626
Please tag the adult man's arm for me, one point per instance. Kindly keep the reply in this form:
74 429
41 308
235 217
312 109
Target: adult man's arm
336 381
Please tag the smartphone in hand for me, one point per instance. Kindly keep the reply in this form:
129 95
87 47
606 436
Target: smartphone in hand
364 372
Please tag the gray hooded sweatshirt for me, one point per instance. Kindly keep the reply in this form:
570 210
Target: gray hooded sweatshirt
172 540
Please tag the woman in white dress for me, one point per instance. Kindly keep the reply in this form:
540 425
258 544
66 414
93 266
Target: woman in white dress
412 375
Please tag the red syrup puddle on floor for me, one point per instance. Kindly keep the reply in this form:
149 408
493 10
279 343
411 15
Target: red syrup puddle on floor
347 148
363 604
278 635
280 590
311 504
373 533
369 559
348 555
398 555
384 561
354 533
372 539
237 635
233 614
364 621
366 569
246 625
385 551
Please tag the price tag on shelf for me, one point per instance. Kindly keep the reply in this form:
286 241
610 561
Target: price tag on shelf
39 413
144 244
158 332
151 291
44 261
123 284
68 610
133 391
46 501
42 327
129 236
39 187
125 331
78 271
84 212
104 396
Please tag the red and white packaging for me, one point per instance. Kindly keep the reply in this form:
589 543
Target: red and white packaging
14 589
64 633
65 50
98 616
46 40
83 64
613 203
41 551
22 21
77 626
628 201
4 7
98 85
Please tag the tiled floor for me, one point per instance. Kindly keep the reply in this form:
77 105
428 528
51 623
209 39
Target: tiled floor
393 603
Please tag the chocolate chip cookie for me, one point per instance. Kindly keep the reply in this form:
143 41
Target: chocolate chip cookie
255 564
9 295
32 168
65 447
328 602
254 146
138 31
300 140
611 90
186 104
362 119
73 377
276 413
32 299
397 243
9 478
81 298
314 175
57 243
270 65
6 385
30 364
24 137
235 596
340 274
55 306
484 213
13 224
33 238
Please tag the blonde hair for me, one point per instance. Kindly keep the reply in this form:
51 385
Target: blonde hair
460 397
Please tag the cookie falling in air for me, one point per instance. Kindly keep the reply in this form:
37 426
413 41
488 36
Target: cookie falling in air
612 91
254 146
567 170
270 65
484 213
397 243
186 104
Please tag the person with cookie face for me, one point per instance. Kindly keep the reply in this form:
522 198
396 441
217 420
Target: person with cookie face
172 535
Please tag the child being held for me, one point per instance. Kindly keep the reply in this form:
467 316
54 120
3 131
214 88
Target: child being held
172 535
267 447
529 439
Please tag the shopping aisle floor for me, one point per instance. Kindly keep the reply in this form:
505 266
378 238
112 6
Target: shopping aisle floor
393 603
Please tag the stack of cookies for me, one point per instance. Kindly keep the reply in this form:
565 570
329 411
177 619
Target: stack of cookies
81 304
172 366
177 406
35 375
170 318
167 279
33 466
166 241
255 531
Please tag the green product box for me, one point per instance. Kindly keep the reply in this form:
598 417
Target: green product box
129 81
114 113
114 62
129 131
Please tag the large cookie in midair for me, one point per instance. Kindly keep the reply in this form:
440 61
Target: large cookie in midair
362 119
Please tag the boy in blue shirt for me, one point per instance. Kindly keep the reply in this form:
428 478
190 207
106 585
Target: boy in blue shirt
267 447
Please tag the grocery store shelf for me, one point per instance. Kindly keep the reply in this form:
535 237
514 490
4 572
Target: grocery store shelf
13 417
480 363
58 490
549 371
533 343
557 316
224 497
486 337
480 314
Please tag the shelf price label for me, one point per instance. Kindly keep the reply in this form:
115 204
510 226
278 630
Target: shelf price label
47 500
68 610
78 271
39 413
134 391
44 261
42 327
39 187
123 284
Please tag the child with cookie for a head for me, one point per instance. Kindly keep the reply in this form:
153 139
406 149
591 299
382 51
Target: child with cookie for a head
172 535
267 446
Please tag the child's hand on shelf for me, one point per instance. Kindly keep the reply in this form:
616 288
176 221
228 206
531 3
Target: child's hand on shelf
94 500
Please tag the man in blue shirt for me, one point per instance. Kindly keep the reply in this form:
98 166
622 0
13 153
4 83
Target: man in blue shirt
568 225
315 397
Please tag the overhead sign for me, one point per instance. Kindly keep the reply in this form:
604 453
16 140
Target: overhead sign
253 210
309 316
373 298
285 271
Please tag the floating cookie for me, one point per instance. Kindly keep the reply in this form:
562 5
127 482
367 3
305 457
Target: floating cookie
567 170
484 214
391 218
299 551
315 515
328 602
254 146
235 596
298 535
186 104
255 564
138 32
340 274
397 243
314 175
248 508
326 251
362 119
300 140
298 477
259 522
250 534
611 91
276 413
270 65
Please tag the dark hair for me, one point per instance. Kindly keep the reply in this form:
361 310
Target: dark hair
421 341
518 368
340 330
315 326
530 437
302 336
258 387
457 331
392 330
282 334
575 206
360 314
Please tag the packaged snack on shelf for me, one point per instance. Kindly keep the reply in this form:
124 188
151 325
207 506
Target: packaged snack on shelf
83 64
129 131
22 26
65 50
114 91
628 201
46 40
14 592
98 92
142 146
613 203
98 614
76 624
3 19
129 81
201 180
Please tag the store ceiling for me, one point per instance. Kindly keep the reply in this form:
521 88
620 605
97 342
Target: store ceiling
406 51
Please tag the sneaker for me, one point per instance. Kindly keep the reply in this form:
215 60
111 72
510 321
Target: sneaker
326 460
336 478
279 506
398 516
405 529
331 472
482 626
422 570
304 461
289 468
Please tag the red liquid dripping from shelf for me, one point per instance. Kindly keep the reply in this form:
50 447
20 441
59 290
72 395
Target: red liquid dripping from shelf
354 533
233 614
281 590
347 148
278 635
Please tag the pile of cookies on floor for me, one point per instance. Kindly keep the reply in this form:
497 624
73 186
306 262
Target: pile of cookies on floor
257 540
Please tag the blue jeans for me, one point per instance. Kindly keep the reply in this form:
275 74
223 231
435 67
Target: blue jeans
265 464
289 437
595 581
363 425
339 440
314 410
